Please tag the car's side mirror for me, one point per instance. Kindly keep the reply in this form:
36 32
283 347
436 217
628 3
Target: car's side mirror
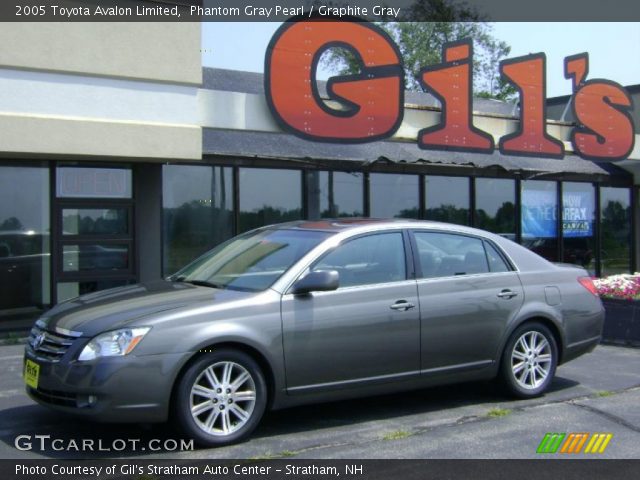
317 281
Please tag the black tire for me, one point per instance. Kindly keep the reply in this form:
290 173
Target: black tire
194 426
512 381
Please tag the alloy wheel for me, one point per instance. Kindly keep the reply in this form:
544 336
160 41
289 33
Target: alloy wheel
531 360
223 398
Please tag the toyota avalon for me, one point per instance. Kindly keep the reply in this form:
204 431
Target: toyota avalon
313 311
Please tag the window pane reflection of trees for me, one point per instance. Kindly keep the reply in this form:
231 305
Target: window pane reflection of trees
334 194
615 222
495 206
269 196
104 221
394 195
447 199
197 211
24 241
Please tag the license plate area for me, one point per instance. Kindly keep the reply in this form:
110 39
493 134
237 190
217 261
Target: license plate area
31 373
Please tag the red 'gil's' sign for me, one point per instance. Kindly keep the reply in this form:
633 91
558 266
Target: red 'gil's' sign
373 100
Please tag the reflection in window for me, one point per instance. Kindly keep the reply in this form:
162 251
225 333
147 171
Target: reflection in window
90 257
495 206
496 262
447 255
447 199
197 211
615 222
253 261
269 196
334 194
578 223
540 218
367 260
394 195
103 221
24 240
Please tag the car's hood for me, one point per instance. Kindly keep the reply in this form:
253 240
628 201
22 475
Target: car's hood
118 307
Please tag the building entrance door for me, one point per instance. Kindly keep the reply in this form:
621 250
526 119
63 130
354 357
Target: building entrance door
94 237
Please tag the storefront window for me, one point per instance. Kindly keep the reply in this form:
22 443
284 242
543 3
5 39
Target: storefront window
447 199
269 196
394 195
91 257
24 241
197 212
334 194
495 206
615 222
540 217
578 225
95 221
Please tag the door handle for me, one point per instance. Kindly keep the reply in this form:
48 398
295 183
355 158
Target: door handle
402 305
507 294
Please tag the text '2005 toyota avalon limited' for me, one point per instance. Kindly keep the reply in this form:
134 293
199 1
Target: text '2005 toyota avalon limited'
313 311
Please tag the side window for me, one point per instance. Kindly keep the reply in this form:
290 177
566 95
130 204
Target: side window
377 258
496 262
446 255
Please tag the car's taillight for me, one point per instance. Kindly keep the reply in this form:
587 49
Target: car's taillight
587 283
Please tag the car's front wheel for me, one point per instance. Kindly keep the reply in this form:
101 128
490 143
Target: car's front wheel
220 398
529 360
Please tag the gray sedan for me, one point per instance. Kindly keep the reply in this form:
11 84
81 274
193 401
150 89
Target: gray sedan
313 311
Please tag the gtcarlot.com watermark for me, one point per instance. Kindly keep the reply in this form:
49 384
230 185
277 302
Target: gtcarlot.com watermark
45 443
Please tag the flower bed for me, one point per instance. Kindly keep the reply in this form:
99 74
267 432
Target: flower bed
619 287
620 296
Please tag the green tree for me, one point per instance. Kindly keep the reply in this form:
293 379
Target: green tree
434 23
11 223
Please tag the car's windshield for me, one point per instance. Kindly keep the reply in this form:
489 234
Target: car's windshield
251 262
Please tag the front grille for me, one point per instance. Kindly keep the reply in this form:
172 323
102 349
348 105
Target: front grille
50 345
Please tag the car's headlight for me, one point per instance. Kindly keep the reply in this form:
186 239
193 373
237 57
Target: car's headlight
113 344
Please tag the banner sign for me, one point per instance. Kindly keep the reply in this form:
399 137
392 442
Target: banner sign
371 102
577 219
539 217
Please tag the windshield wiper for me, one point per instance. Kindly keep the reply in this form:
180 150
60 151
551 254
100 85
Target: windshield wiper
204 283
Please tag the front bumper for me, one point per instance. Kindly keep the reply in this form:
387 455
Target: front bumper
113 389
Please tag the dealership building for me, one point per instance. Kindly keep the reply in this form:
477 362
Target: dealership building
122 159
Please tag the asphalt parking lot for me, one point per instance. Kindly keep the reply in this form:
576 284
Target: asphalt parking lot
599 392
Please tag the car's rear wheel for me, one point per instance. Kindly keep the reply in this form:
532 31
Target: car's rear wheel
220 398
529 360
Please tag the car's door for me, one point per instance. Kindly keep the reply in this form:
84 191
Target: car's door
366 331
468 292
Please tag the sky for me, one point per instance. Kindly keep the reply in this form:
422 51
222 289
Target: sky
614 48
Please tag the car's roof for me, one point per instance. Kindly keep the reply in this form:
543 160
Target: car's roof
350 223
341 225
